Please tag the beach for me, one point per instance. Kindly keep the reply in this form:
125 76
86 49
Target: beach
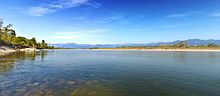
171 50
4 50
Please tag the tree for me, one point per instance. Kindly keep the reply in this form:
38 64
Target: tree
212 45
33 42
7 28
22 42
181 44
42 45
8 37
10 32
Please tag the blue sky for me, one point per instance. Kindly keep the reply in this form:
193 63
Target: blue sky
113 21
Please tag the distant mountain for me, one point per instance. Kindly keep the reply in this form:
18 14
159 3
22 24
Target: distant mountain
74 45
189 42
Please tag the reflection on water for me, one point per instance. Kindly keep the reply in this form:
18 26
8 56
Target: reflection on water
7 62
110 73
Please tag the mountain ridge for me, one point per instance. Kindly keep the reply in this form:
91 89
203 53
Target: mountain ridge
190 42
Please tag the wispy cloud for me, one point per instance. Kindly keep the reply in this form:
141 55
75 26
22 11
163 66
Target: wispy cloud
78 34
40 11
177 15
108 19
217 14
180 15
67 37
59 5
116 17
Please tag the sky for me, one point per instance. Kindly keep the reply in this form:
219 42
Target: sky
113 21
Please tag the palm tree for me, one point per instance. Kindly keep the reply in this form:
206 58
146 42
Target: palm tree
43 44
33 42
9 31
7 28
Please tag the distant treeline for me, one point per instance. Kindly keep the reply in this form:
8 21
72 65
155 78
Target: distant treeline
181 44
8 38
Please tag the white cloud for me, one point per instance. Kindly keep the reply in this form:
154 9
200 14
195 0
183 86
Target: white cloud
177 15
78 34
111 19
40 11
188 14
58 5
66 37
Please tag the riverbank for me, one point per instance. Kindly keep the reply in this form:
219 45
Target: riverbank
174 50
4 50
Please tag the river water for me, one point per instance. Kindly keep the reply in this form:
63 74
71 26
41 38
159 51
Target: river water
110 73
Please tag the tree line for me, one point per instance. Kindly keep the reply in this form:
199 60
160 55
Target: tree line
181 45
8 38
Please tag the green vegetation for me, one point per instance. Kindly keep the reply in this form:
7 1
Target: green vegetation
212 45
8 38
179 45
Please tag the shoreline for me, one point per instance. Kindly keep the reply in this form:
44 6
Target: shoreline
162 50
7 50
165 50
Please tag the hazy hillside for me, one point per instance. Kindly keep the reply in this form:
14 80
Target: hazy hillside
189 42
74 45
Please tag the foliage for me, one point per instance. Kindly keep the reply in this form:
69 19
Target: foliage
181 44
8 38
43 45
212 45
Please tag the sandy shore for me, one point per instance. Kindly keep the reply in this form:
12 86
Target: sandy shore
28 49
171 50
7 50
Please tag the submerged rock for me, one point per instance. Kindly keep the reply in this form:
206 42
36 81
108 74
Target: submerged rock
70 82
93 88
35 84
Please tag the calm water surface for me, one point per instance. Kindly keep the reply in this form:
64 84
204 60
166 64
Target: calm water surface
110 73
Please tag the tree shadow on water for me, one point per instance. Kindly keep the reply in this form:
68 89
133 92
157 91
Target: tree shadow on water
7 62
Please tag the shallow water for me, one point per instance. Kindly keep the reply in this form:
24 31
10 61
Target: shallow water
110 73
